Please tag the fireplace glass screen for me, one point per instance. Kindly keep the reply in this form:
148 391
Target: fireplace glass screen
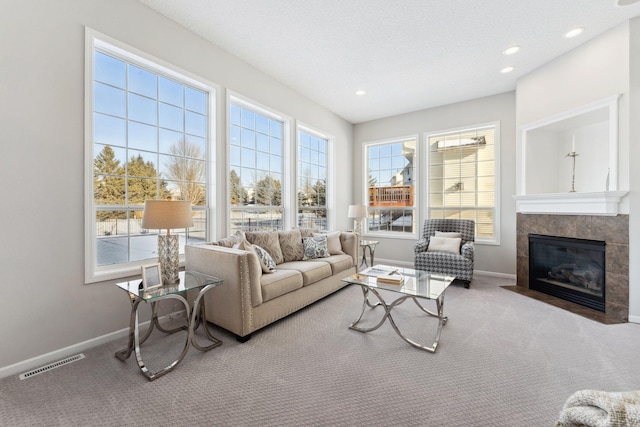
571 269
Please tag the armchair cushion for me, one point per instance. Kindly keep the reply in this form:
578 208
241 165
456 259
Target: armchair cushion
448 234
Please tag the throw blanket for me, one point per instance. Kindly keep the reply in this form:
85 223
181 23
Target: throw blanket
592 408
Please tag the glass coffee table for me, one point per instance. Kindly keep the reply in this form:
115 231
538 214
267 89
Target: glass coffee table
416 285
189 280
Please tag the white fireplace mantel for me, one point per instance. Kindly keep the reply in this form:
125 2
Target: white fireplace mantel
594 203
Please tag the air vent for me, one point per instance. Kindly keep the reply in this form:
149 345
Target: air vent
51 366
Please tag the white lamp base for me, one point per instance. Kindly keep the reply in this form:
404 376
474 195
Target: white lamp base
168 257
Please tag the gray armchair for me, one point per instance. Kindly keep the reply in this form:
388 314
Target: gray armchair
460 264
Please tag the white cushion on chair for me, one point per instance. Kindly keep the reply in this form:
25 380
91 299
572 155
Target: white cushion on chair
448 234
444 244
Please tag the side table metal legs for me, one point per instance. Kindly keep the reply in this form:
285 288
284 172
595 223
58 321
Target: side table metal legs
194 318
387 315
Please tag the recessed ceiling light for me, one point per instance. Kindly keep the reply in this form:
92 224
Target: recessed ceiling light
574 32
507 70
360 92
514 49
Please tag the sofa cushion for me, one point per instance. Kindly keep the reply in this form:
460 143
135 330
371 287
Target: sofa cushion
339 263
279 283
315 247
267 240
333 242
312 271
266 262
291 245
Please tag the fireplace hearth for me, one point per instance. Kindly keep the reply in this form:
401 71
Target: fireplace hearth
568 268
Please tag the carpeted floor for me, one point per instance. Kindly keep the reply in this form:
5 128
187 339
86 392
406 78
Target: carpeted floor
504 360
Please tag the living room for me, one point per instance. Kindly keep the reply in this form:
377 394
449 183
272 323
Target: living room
54 312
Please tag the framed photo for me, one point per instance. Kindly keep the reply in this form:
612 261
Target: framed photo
151 276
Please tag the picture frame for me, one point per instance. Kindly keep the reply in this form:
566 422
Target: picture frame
151 276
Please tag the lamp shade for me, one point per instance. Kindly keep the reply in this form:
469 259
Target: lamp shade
357 211
166 214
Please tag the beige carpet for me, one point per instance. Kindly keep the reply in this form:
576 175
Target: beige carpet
504 360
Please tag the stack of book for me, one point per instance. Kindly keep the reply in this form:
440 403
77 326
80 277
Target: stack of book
384 274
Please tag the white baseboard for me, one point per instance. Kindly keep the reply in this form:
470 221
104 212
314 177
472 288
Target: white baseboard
44 359
34 362
634 319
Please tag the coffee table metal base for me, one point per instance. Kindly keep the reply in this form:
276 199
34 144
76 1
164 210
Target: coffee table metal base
442 319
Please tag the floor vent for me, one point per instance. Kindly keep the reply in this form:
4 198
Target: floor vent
51 366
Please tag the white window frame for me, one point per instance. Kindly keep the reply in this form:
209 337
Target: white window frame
496 173
96 40
256 107
330 186
417 227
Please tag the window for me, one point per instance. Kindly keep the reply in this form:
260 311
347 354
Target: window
390 186
147 138
462 177
256 163
312 180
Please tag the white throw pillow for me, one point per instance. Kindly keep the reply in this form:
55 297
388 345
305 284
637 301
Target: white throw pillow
448 234
444 244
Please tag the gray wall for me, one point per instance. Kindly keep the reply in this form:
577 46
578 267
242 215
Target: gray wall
44 302
602 67
489 258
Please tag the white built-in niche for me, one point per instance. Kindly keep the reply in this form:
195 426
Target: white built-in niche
548 183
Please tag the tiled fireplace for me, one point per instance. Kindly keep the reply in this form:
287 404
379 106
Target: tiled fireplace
613 230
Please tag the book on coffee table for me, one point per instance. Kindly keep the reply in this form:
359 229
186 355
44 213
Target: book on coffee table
378 270
393 278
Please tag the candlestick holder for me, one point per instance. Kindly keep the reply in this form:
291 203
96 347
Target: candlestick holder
573 154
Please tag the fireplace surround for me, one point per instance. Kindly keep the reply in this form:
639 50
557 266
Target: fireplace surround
613 230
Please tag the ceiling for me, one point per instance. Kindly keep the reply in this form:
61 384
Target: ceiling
407 55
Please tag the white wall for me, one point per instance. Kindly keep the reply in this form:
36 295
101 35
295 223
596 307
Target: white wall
44 302
490 258
602 67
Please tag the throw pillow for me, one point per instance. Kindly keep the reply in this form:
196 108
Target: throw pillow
229 242
267 263
291 245
444 244
253 254
315 247
448 234
308 232
267 240
333 242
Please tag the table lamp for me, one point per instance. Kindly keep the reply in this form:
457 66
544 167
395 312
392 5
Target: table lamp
357 212
169 214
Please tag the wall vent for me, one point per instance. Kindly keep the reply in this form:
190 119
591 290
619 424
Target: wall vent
51 366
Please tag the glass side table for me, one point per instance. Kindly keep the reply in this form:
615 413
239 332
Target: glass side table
371 245
189 280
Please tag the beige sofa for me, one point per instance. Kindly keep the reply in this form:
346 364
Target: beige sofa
251 299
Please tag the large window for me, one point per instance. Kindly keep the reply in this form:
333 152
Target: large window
312 180
256 163
462 177
390 186
148 133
